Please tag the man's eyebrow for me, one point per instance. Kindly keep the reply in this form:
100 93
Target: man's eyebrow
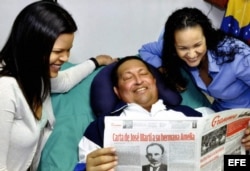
125 72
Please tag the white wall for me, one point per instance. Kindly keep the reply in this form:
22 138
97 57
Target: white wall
114 27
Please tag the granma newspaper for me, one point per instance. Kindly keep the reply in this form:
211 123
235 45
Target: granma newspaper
191 143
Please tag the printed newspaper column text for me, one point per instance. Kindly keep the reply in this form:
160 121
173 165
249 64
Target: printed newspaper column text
233 162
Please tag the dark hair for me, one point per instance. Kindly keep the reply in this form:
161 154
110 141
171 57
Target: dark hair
114 74
26 54
215 38
156 144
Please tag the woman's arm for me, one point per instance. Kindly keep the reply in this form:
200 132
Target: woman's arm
7 112
151 53
68 78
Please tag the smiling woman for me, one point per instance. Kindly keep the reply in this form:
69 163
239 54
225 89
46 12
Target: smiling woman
60 53
39 43
218 63
190 45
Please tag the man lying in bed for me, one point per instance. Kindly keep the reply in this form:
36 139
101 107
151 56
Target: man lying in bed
135 85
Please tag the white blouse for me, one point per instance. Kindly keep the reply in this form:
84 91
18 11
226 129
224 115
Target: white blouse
22 137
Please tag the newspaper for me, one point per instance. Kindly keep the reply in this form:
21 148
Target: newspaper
190 143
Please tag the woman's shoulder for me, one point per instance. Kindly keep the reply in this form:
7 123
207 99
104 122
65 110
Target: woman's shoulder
9 88
7 82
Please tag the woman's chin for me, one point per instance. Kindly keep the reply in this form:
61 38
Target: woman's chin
193 64
53 74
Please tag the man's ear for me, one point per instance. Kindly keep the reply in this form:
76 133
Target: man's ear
116 92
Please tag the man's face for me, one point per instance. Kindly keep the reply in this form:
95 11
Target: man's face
136 84
154 155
